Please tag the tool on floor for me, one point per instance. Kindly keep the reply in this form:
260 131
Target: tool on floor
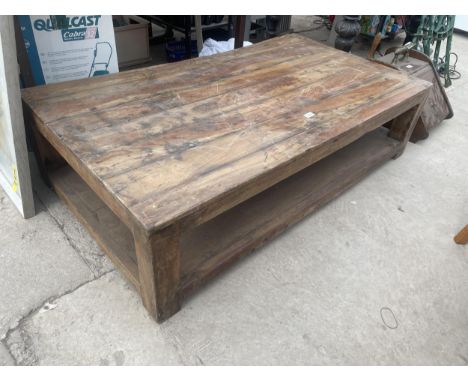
403 51
101 59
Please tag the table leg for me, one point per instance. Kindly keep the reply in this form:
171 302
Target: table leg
420 132
402 126
188 37
199 33
158 258
239 32
46 156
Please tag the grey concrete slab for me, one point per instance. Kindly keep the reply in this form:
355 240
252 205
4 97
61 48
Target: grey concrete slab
101 323
315 296
37 262
5 357
329 291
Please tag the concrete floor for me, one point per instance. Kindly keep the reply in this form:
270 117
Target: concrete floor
372 278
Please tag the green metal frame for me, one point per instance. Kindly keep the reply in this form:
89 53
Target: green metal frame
433 30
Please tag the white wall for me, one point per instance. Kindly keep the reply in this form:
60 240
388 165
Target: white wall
15 176
461 22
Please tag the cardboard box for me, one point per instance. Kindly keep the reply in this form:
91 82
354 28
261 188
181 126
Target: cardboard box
132 41
71 47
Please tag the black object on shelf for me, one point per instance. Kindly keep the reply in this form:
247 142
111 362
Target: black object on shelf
218 34
177 50
277 25
185 25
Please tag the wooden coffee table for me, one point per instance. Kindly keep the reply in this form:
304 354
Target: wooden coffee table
177 170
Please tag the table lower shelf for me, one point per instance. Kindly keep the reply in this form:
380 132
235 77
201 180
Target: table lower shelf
212 246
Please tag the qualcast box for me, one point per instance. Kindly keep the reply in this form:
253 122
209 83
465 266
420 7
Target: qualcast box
63 48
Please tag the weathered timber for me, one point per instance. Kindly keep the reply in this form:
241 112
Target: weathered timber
178 170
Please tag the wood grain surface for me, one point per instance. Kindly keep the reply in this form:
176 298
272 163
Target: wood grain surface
184 142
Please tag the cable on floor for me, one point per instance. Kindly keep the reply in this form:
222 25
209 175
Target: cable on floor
453 73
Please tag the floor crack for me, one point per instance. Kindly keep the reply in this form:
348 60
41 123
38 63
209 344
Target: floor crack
5 345
34 310
69 240
5 339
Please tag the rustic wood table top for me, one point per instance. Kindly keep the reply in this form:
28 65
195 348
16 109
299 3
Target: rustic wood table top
166 142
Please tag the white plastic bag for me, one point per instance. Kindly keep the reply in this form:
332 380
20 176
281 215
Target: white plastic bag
211 46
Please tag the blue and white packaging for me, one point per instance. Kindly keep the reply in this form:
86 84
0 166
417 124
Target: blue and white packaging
64 48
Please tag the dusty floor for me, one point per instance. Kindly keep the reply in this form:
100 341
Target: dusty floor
328 291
